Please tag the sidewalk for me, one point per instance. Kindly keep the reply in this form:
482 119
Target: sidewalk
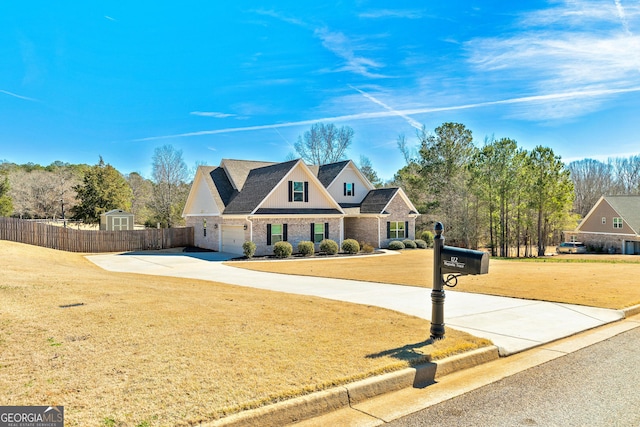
512 324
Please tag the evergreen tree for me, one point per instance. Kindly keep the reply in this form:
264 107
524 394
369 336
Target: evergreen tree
103 188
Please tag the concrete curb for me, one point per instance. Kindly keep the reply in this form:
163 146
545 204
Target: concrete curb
631 311
323 402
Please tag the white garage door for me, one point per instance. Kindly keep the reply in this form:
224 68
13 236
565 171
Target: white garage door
232 238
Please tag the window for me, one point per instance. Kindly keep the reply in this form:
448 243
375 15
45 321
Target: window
319 231
617 222
298 191
397 229
276 233
604 219
573 239
349 189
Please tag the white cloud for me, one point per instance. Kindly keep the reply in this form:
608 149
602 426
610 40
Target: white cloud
392 13
346 49
572 46
211 114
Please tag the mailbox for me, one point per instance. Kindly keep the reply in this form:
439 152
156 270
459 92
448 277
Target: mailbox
463 261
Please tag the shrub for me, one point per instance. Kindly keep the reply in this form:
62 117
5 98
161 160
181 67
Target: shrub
421 244
427 236
396 245
330 247
350 246
409 244
366 248
249 249
306 248
282 249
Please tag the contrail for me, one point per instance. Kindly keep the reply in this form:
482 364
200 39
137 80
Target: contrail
409 120
367 116
26 98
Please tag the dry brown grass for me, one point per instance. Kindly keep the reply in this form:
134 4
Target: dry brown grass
144 350
608 281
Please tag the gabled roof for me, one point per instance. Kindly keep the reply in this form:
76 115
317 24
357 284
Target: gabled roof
377 200
238 170
257 186
327 173
628 207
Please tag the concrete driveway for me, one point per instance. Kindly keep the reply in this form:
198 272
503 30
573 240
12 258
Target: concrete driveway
512 324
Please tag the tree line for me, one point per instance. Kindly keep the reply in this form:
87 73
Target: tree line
83 192
498 195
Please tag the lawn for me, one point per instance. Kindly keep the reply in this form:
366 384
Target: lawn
608 281
134 350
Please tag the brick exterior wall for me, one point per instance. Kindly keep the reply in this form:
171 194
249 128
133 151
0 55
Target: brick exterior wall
212 239
364 230
297 230
398 211
611 243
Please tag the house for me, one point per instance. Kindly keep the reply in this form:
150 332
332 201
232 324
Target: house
612 225
267 202
116 220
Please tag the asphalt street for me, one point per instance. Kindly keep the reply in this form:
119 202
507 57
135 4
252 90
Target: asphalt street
595 386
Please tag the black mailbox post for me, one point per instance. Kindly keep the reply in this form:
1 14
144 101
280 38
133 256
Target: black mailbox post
454 262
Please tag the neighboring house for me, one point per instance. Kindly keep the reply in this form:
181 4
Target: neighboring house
611 225
264 202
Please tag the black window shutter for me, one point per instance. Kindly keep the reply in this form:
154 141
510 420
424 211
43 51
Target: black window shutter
284 232
306 191
353 189
313 227
326 230
345 189
291 191
388 229
406 229
268 234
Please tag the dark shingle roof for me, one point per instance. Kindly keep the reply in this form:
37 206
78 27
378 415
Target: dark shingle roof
628 207
259 183
376 200
223 185
238 170
327 173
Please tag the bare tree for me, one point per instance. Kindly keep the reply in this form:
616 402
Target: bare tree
626 173
324 143
591 180
169 177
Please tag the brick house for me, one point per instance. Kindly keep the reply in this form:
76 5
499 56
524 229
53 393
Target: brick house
268 202
612 225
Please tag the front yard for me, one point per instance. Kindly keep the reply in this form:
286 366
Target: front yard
134 350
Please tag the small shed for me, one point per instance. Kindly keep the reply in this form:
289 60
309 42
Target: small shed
116 220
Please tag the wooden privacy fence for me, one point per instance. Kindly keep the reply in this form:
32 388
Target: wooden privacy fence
68 239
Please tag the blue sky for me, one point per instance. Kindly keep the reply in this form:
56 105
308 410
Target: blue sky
242 79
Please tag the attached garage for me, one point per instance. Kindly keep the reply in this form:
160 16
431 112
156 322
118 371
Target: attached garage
233 238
